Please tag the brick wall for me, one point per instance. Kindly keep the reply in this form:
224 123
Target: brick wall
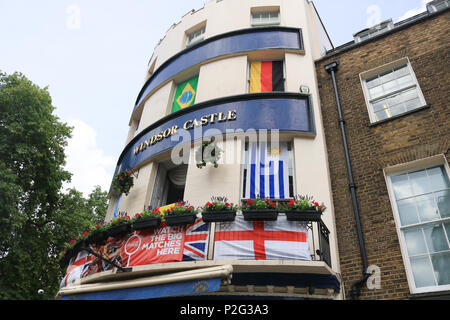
415 136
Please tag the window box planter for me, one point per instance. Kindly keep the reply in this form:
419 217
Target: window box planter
118 230
260 215
304 215
180 219
147 223
218 216
97 237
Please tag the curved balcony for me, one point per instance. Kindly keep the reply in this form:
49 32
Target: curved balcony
227 44
286 112
203 260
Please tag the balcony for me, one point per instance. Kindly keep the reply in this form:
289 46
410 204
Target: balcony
311 276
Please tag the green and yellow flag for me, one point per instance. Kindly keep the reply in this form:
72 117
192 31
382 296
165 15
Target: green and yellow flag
185 94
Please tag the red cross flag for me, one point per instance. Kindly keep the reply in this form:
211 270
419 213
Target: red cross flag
243 240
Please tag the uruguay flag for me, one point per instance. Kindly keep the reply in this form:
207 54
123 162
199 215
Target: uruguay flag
267 171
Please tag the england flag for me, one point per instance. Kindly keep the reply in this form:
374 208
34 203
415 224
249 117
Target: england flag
261 240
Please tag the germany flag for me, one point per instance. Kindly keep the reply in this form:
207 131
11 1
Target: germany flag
266 76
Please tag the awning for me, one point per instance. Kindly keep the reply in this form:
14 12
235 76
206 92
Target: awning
175 284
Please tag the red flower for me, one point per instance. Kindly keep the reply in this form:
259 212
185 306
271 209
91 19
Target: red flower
128 172
227 204
316 204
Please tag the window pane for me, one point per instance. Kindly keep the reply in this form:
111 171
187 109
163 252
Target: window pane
401 71
397 109
373 82
447 229
380 105
381 115
415 242
387 76
413 104
390 86
402 188
443 202
376 92
407 211
441 265
405 81
419 182
427 208
435 237
438 178
422 271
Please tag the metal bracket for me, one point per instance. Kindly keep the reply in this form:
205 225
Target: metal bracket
119 268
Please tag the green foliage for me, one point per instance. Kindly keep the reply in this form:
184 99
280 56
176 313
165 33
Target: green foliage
123 182
146 214
259 204
36 218
208 152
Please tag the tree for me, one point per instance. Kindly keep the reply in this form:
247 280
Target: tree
36 218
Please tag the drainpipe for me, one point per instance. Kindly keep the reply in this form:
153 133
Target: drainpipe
331 68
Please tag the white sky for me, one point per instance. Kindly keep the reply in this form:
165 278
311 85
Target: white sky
93 57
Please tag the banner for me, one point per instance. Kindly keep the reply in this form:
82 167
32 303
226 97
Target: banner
261 240
143 247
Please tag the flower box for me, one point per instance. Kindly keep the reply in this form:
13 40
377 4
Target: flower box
180 219
263 215
304 215
97 237
218 216
118 230
147 223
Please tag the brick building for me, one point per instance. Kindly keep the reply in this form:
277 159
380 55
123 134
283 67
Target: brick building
392 87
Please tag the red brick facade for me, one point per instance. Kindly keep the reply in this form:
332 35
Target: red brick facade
417 135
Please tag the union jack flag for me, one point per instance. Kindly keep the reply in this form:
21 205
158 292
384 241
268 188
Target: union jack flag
196 241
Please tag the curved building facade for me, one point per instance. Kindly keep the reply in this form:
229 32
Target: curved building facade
241 71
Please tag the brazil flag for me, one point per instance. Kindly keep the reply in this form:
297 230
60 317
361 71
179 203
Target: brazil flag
185 94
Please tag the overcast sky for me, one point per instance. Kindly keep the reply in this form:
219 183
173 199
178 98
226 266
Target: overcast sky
93 57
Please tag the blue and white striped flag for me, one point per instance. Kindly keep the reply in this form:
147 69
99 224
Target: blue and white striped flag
267 171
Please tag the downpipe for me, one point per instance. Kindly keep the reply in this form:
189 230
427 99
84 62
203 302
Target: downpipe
331 68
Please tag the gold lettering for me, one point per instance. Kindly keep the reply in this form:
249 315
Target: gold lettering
159 136
212 117
221 117
174 130
136 150
232 115
204 120
153 140
196 123
186 126
167 132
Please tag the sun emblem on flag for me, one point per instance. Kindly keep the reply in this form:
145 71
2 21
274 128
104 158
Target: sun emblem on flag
275 151
186 97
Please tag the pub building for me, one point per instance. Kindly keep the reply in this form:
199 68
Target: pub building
239 107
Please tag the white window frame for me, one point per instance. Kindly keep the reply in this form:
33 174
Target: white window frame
410 167
201 36
261 10
370 73
374 31
433 5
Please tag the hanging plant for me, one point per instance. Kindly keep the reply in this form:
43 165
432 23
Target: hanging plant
208 152
123 181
